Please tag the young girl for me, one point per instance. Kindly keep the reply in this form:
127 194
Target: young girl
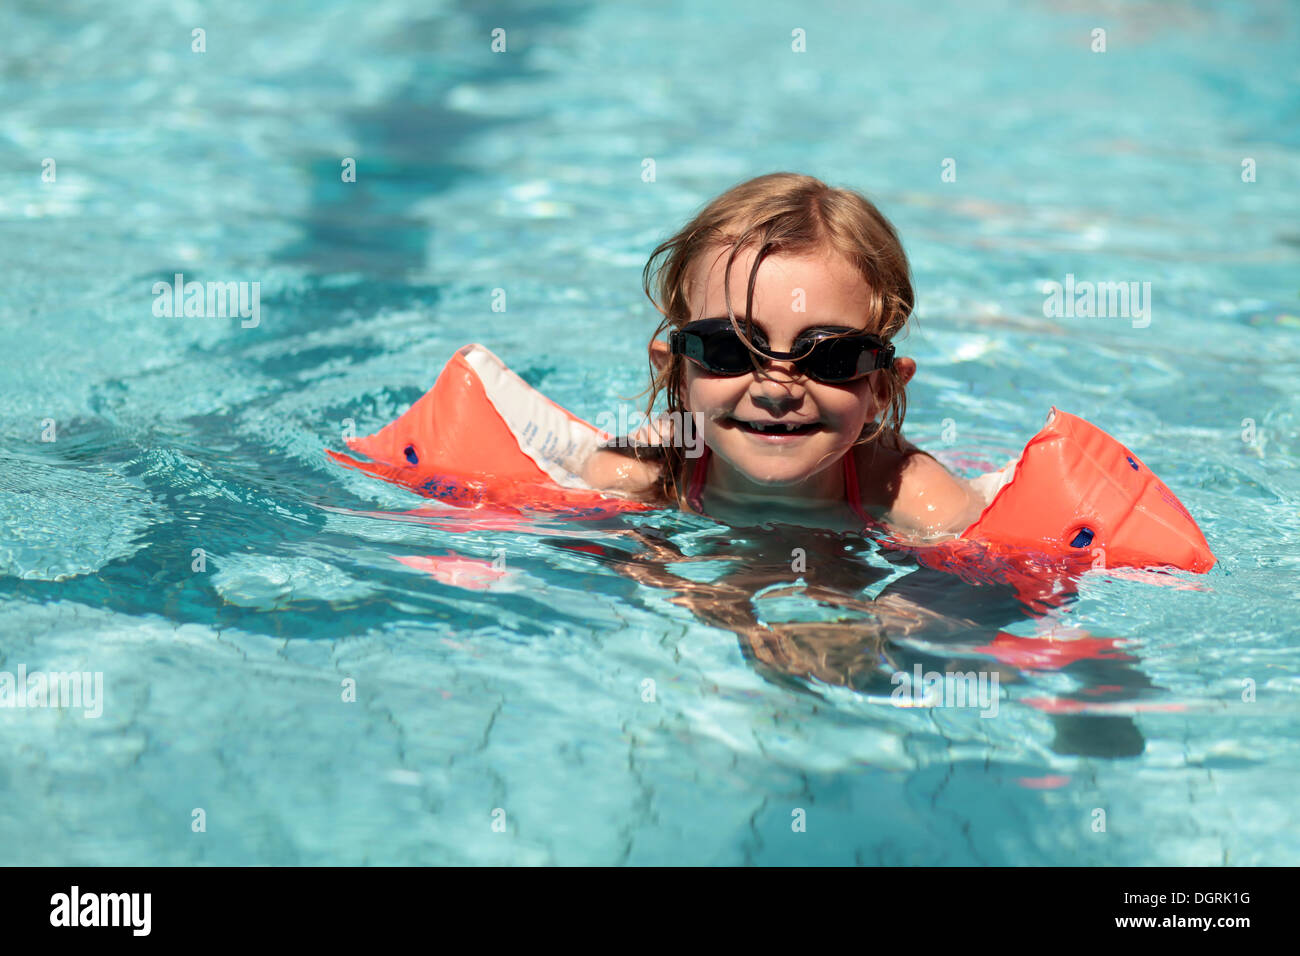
781 299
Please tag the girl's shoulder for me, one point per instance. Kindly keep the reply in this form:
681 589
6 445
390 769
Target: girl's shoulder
911 490
880 465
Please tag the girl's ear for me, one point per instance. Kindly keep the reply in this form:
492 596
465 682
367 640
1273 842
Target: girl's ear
905 367
659 355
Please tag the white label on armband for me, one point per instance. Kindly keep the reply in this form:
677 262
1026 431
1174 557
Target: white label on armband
557 443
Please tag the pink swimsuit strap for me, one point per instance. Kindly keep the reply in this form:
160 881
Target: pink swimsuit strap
697 480
851 486
700 474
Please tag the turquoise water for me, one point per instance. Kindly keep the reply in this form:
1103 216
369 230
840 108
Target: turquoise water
223 686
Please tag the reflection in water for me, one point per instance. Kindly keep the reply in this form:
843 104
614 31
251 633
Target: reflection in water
847 613
925 617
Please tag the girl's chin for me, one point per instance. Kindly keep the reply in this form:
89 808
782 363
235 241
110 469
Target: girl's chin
778 466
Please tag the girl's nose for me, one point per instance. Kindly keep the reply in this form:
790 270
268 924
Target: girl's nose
777 387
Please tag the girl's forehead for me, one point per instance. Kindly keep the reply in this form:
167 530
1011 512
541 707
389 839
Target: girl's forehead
819 283
823 266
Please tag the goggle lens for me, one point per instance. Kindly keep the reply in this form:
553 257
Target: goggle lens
714 345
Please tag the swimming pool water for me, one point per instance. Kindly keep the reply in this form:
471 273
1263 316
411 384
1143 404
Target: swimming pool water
225 678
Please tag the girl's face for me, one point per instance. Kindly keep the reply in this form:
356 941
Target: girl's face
834 295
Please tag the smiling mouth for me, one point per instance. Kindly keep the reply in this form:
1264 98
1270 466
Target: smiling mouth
777 428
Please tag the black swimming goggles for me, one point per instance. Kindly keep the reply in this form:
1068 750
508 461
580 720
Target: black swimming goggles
821 354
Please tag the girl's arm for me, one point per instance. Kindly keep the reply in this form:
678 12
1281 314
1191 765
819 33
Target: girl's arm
631 465
931 501
621 471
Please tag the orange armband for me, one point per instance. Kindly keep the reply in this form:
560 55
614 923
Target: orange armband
1076 491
